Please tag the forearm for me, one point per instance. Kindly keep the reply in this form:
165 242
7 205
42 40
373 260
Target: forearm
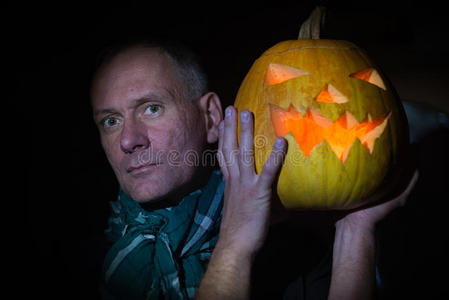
353 266
227 276
246 209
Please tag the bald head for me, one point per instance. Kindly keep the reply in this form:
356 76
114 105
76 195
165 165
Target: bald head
185 64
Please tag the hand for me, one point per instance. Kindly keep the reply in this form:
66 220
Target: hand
247 195
367 218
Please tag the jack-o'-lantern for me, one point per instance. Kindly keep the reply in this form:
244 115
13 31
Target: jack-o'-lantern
344 124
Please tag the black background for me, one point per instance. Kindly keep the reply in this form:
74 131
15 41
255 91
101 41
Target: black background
65 180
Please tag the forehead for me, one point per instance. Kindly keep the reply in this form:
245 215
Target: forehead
134 73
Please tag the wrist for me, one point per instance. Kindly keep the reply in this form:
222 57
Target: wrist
228 274
233 252
355 226
353 243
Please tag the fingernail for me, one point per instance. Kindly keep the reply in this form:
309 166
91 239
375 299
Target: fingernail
244 116
228 112
279 142
221 125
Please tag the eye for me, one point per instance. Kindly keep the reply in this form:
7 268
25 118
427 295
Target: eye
152 109
370 75
329 94
277 73
110 122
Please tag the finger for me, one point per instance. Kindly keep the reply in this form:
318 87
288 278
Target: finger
229 148
274 162
246 143
220 156
402 198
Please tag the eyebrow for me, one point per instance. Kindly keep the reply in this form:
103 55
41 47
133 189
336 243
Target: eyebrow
165 94
157 96
103 111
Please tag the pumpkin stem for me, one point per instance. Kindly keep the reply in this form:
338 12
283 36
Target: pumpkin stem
310 29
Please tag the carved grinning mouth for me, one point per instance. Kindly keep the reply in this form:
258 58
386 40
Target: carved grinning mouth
313 128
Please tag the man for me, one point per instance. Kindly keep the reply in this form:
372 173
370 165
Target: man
156 119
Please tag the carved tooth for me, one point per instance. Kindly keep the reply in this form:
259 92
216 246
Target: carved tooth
347 120
369 138
319 118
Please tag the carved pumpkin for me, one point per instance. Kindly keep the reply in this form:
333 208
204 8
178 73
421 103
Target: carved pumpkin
344 124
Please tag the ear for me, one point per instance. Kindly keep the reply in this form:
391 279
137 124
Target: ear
210 107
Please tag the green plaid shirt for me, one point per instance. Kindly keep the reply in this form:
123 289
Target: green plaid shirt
162 254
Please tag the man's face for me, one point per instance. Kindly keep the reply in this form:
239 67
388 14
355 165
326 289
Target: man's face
151 134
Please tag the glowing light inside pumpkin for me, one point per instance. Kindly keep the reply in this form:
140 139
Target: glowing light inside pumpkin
312 128
330 94
277 73
370 75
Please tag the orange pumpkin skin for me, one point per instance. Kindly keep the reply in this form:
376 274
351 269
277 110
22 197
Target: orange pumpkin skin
322 175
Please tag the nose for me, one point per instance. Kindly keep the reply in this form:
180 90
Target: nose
133 137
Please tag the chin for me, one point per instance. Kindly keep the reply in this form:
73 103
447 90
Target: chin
146 194
154 187
151 190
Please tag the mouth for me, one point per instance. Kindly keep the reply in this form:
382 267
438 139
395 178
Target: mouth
313 128
141 169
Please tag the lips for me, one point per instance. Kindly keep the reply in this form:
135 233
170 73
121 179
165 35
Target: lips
140 168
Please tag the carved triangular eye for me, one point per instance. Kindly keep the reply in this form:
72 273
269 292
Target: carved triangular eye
370 75
329 94
277 73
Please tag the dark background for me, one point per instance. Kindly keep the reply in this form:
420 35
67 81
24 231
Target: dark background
66 182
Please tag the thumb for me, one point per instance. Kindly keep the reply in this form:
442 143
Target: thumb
402 198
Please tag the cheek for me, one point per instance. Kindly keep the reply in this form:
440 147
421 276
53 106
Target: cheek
186 132
177 138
